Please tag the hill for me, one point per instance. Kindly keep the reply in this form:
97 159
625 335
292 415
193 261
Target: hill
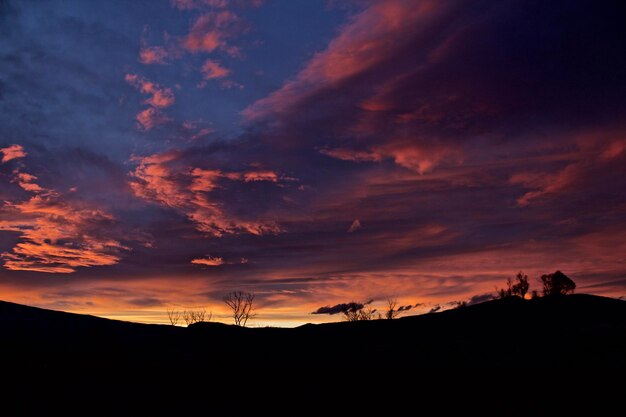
573 332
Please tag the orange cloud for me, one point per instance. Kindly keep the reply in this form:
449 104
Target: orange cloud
212 70
12 152
216 261
158 179
208 261
25 181
56 236
270 176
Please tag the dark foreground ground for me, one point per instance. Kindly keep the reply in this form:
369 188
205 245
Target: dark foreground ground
51 357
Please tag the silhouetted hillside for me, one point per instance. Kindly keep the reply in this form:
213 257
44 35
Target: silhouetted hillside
583 329
573 331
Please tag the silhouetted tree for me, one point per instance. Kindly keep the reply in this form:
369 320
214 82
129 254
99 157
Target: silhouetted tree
240 304
505 292
557 284
391 312
521 287
173 316
460 304
196 316
534 294
354 311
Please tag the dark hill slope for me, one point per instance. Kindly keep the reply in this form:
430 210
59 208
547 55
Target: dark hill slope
54 362
575 330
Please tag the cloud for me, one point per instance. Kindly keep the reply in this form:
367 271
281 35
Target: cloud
211 31
356 225
198 4
212 70
480 298
434 309
255 175
421 158
339 308
365 41
150 55
159 178
160 98
12 152
145 302
26 181
208 261
56 236
218 4
216 261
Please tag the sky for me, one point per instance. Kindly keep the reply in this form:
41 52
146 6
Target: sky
158 154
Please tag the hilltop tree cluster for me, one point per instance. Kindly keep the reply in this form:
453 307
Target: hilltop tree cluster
554 284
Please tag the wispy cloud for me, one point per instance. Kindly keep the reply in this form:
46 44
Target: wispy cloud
159 98
159 178
56 235
12 152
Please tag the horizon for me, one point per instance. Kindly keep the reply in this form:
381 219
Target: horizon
161 154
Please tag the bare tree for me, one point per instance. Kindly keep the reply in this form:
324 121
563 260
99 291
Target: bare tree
241 306
354 311
391 312
196 316
522 285
173 316
369 313
505 292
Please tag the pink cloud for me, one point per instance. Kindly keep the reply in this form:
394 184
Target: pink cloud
159 97
367 40
149 118
356 225
158 178
218 4
212 70
198 4
266 175
544 184
210 32
152 55
12 152
420 158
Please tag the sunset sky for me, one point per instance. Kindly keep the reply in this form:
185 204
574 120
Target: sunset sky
158 154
